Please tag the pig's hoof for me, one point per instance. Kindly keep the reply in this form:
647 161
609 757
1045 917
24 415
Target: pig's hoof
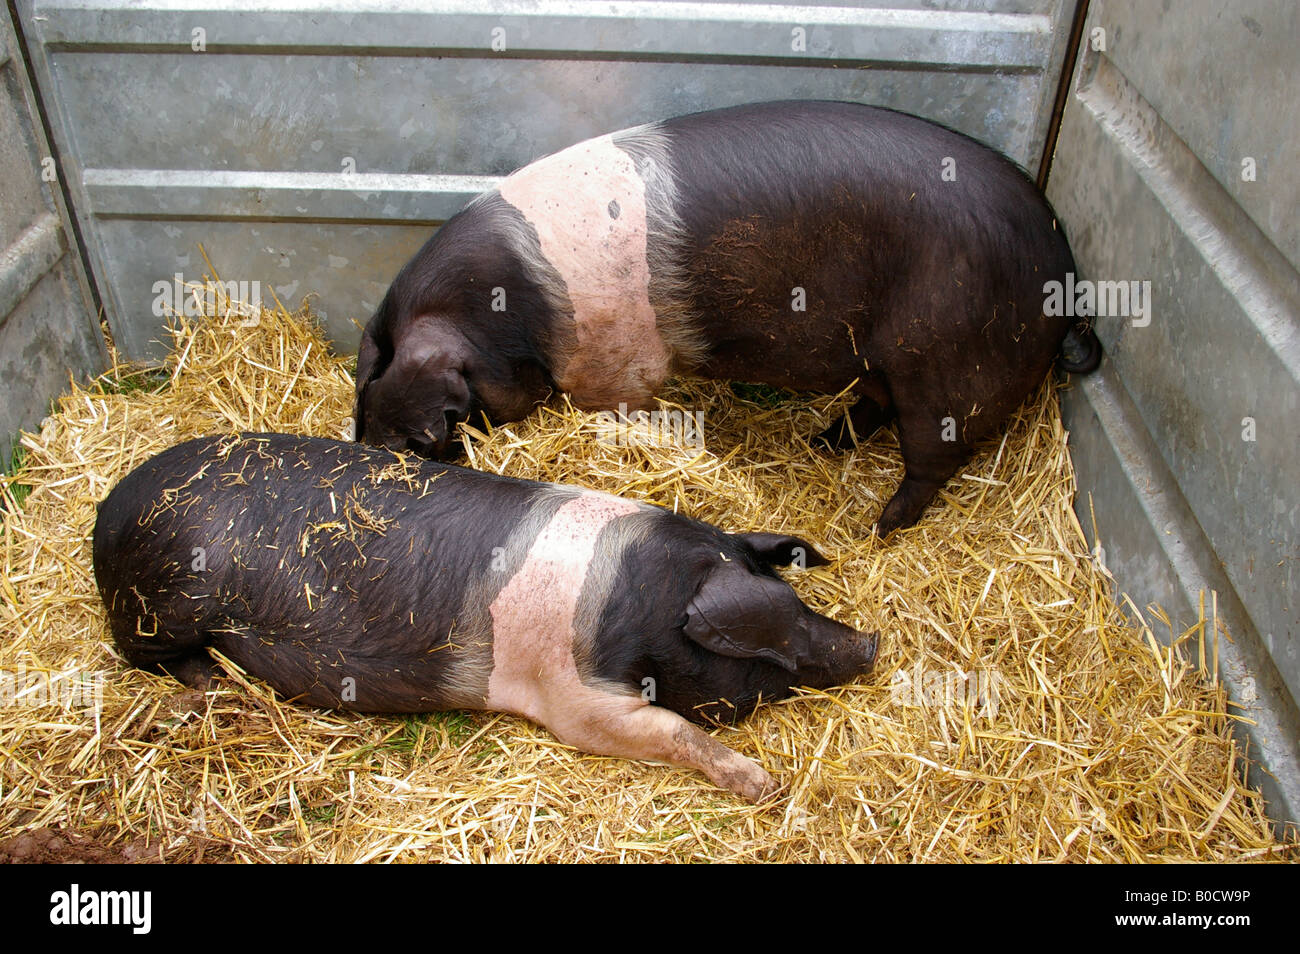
198 671
769 792
890 519
906 506
837 437
884 529
753 784
894 518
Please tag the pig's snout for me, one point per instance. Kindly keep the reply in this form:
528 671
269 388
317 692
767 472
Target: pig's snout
839 653
417 401
434 442
865 647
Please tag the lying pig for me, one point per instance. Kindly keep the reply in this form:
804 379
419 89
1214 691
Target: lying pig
807 245
352 577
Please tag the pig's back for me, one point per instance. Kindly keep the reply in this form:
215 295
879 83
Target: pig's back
301 558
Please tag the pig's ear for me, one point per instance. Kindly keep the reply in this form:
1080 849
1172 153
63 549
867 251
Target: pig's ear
371 361
744 615
367 370
778 549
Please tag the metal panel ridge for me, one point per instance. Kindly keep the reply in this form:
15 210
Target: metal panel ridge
727 31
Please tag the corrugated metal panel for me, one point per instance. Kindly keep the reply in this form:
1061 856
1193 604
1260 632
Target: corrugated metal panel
311 147
1174 167
47 328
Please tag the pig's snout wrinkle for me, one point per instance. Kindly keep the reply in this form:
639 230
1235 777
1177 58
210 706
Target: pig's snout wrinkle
871 647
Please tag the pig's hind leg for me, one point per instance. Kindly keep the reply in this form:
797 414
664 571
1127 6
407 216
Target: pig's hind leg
159 640
607 723
929 461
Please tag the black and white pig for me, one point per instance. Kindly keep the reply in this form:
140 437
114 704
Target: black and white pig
352 577
797 244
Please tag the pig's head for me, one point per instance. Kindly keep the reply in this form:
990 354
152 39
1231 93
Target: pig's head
418 379
743 610
464 330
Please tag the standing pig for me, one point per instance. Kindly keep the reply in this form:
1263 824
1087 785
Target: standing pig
797 244
352 577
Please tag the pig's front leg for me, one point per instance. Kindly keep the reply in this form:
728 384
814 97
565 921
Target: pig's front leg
874 410
604 723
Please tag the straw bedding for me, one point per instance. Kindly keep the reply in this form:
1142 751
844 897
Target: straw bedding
1014 715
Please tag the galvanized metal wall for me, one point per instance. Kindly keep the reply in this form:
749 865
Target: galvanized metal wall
312 147
47 326
1175 165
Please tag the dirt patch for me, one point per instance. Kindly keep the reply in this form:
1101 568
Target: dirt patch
45 846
